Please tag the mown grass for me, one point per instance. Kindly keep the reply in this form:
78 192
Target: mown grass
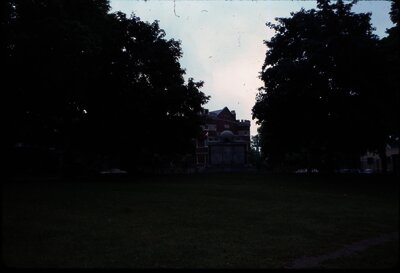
197 221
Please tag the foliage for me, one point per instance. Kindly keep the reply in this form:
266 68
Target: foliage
83 79
255 158
390 48
322 99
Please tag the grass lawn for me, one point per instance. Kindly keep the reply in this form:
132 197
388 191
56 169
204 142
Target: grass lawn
198 221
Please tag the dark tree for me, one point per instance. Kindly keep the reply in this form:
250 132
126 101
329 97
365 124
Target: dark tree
390 52
146 108
53 51
320 89
85 81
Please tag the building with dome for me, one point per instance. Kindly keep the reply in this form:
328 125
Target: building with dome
224 140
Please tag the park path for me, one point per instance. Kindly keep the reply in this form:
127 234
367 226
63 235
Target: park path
313 261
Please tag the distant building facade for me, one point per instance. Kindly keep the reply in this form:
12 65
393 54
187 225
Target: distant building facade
371 162
224 141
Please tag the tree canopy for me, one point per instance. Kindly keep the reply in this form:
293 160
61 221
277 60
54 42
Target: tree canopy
83 79
390 51
323 100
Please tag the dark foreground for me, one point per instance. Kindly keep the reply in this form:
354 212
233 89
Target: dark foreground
198 221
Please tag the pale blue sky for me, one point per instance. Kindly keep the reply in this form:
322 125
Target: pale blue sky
222 41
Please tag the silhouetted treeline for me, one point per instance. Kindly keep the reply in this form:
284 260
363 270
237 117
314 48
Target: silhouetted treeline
330 91
93 89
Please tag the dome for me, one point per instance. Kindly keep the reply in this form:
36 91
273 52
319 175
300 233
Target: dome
226 136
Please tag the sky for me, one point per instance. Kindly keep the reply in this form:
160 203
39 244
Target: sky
223 41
